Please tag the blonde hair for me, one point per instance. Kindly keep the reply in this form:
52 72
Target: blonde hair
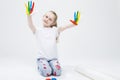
55 18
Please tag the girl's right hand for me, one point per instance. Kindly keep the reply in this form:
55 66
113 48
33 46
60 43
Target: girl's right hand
29 7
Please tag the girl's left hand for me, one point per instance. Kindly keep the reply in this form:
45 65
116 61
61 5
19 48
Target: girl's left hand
76 18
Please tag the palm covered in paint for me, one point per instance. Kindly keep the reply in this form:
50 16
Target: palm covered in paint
29 7
76 18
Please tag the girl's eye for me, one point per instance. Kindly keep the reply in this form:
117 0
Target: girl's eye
46 16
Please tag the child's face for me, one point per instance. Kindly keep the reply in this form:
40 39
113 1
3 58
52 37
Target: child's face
48 19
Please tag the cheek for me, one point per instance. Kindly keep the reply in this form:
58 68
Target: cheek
50 22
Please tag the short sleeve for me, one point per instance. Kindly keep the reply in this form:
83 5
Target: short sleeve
56 30
37 32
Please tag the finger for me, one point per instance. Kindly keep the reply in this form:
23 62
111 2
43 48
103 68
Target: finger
30 4
32 7
26 9
29 7
26 6
75 16
78 17
73 22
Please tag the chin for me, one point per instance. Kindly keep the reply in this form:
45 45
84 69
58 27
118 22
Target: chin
45 25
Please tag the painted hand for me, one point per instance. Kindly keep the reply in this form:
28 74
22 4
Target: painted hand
76 18
29 7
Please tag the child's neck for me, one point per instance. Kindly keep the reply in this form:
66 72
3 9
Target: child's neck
47 27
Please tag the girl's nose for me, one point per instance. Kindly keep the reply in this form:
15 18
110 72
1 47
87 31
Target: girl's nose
46 19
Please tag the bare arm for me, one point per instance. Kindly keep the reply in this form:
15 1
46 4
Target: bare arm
30 23
73 22
66 27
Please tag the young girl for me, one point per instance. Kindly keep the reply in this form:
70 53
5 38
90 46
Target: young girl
47 36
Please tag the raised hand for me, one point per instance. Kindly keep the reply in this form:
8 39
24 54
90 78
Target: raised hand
76 18
29 7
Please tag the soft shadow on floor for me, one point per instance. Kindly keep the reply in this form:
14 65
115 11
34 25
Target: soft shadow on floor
19 71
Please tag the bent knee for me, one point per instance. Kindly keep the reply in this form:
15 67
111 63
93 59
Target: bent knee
57 72
46 71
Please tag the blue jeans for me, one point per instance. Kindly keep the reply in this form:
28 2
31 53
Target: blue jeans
48 67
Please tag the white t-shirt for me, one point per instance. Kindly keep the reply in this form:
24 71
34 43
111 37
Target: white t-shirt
46 41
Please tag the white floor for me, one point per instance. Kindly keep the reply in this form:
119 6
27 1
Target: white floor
26 72
11 69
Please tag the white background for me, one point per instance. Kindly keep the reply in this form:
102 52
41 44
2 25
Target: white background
94 42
